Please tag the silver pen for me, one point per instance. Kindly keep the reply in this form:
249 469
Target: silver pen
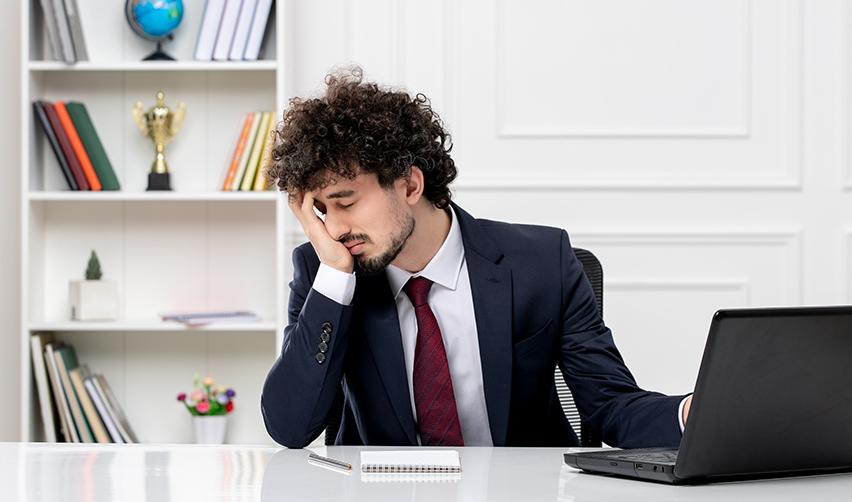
329 462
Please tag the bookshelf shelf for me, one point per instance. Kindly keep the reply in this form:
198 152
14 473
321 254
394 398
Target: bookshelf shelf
70 196
194 248
149 325
155 66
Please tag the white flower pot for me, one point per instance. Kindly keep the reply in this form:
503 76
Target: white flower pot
209 429
93 300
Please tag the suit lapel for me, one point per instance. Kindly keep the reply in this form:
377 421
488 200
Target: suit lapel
381 328
491 287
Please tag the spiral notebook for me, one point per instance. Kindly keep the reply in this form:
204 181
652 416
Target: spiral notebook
411 461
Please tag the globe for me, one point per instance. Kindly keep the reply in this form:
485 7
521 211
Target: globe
154 20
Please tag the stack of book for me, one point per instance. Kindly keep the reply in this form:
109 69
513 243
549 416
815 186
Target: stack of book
79 402
72 136
252 154
193 319
64 30
232 30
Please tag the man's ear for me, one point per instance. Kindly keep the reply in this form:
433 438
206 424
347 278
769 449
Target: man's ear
413 185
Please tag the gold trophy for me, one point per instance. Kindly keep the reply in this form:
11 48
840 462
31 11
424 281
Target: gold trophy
160 124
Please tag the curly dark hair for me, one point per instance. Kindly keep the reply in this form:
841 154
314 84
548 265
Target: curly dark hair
358 125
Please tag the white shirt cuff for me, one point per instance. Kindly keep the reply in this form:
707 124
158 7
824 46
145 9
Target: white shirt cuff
680 413
335 284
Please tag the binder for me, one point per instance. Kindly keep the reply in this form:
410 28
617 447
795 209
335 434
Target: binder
226 29
92 143
209 29
238 47
40 113
258 29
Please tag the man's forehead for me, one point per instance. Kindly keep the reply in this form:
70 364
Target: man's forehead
336 185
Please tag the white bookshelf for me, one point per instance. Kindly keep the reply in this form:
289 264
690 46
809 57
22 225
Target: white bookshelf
193 248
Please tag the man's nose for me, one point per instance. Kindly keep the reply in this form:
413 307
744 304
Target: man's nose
336 227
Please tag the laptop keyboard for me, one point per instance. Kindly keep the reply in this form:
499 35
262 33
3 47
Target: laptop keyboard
652 455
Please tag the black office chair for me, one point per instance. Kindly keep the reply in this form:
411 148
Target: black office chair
594 271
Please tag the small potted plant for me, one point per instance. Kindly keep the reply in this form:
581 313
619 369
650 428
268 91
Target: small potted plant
93 299
209 407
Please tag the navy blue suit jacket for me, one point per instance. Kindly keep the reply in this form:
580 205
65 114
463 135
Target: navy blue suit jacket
534 309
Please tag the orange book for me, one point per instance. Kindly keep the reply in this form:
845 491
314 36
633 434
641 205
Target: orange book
241 145
77 146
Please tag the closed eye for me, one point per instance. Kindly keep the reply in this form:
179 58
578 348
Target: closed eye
346 206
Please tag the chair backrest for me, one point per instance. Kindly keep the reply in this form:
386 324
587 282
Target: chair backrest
594 271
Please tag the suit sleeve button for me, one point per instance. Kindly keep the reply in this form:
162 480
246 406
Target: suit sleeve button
323 347
326 328
320 357
325 337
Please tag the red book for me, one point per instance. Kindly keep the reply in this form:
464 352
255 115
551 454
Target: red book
65 145
77 145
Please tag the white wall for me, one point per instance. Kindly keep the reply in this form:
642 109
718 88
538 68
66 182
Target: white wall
10 217
698 148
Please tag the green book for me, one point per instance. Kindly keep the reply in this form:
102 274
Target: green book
66 360
92 144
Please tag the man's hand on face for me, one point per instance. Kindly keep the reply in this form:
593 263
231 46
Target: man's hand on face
330 251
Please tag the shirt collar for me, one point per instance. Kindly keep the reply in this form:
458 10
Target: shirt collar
444 268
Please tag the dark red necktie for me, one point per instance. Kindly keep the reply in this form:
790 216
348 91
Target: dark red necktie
437 416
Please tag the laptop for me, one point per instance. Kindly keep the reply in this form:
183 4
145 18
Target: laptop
773 398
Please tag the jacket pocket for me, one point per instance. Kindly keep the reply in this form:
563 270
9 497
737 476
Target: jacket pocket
538 340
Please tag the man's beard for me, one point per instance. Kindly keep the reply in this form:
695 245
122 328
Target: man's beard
372 266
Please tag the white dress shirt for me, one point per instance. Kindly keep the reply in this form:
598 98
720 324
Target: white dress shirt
451 301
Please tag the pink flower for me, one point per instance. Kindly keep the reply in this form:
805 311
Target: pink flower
197 396
181 396
203 407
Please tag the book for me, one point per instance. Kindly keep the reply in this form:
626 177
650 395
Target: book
258 30
260 181
78 375
256 150
238 46
411 461
115 410
65 145
103 411
65 41
203 318
45 399
41 115
241 167
76 28
92 143
207 35
77 145
227 28
238 152
66 360
51 28
69 431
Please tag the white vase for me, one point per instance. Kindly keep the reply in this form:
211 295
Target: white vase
209 429
93 300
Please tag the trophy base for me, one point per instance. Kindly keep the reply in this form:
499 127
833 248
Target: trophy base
159 182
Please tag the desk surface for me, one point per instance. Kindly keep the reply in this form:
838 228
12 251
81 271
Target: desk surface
35 472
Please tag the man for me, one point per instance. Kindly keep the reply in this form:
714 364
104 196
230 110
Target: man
441 329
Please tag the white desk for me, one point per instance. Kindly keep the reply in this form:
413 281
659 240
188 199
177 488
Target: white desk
171 473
